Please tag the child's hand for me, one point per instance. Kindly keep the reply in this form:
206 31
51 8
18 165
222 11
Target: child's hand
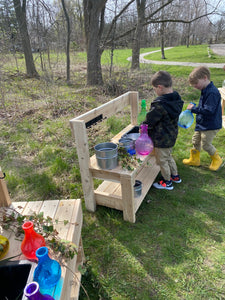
190 106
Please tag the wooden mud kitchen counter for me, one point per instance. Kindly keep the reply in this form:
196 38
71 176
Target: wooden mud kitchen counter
60 211
116 191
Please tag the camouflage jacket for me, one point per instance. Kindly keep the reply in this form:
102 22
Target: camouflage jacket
162 119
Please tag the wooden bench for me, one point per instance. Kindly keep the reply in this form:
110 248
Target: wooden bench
222 92
117 190
60 210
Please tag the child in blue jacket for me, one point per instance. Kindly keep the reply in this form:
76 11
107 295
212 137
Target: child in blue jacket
208 118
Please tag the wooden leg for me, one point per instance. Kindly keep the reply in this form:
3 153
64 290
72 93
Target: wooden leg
79 130
80 254
128 198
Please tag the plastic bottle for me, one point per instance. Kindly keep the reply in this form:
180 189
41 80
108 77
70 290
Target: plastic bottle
186 118
48 271
144 144
32 241
32 292
142 114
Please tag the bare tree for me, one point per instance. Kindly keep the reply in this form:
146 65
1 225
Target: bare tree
113 43
20 10
94 23
94 13
68 42
138 31
162 33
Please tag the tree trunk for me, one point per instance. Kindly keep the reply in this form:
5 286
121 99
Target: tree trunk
93 21
67 43
162 33
162 45
137 36
113 43
21 19
188 35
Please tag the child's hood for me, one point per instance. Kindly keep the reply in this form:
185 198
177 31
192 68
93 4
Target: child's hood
172 103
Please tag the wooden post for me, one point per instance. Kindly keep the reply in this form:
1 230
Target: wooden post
4 195
127 198
134 107
81 140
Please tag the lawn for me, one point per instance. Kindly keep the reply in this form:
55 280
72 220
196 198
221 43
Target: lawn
175 250
197 53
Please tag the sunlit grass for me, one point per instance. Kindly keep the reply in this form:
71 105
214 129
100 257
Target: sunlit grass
196 53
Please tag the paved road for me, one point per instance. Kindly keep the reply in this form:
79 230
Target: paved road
216 48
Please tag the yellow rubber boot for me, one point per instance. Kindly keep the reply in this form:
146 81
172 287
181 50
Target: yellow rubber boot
194 159
216 162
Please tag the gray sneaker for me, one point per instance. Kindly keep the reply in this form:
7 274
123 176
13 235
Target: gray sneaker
175 178
164 185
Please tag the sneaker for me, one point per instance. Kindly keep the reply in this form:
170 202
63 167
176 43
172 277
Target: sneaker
175 178
163 185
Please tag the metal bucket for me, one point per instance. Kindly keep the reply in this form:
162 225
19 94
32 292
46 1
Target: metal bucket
137 188
106 155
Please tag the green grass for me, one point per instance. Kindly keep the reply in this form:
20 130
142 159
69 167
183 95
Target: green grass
175 250
217 75
198 53
120 56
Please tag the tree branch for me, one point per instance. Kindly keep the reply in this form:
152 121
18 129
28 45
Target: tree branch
162 21
114 21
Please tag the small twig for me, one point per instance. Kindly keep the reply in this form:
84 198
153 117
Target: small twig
9 258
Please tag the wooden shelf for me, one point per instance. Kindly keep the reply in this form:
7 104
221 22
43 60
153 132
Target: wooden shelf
109 193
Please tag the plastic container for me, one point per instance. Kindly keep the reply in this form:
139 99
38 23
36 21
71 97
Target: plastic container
126 143
32 292
132 136
137 188
144 144
186 118
32 241
106 155
48 271
142 114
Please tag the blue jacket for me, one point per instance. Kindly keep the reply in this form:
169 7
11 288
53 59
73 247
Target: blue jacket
209 110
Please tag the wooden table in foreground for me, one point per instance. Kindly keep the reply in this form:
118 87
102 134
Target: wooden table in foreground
60 210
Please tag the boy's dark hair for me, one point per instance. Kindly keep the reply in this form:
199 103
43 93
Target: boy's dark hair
161 78
198 73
